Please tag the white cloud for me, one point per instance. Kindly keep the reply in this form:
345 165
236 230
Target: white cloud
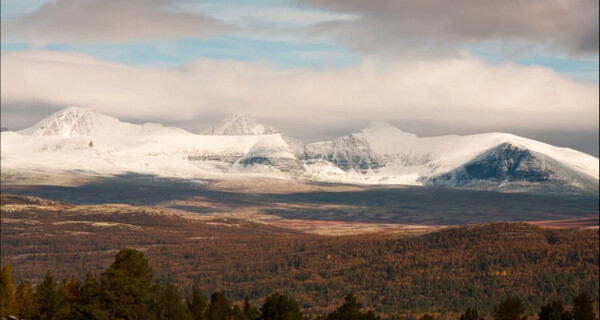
460 92
253 15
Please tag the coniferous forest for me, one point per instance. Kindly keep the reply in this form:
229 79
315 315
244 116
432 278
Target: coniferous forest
441 273
128 290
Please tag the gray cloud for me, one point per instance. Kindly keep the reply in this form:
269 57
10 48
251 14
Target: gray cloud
459 92
570 25
108 21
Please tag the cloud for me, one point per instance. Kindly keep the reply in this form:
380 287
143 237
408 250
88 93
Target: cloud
252 14
570 25
108 21
458 92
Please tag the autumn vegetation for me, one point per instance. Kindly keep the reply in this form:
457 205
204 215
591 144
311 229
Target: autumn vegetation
442 274
128 290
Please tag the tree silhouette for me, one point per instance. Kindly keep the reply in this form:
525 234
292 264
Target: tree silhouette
470 314
510 309
280 307
553 311
349 310
250 311
583 307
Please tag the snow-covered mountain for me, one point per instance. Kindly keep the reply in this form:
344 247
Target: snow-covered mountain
82 140
269 154
383 153
241 125
76 139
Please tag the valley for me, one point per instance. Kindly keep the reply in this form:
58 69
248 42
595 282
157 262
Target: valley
440 270
292 200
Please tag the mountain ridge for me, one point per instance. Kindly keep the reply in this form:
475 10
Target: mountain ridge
77 138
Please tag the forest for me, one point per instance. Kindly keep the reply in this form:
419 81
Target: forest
442 273
129 290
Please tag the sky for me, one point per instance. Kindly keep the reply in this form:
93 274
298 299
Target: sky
316 69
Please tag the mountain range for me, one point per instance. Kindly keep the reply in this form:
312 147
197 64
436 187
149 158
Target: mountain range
84 141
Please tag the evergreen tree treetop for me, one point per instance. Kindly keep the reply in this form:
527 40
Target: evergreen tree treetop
280 307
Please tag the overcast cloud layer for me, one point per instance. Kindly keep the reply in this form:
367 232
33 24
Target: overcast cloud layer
570 25
108 21
458 92
406 63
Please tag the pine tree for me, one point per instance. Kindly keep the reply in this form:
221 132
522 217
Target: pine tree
250 311
510 309
237 313
88 303
7 292
125 286
370 315
171 305
280 307
49 298
583 307
349 310
219 307
196 303
69 291
553 311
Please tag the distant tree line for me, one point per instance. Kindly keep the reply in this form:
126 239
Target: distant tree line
129 290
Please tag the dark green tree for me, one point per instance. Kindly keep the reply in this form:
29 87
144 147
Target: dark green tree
370 315
171 304
349 310
219 307
280 307
196 303
426 316
237 313
511 308
69 291
125 286
50 300
470 314
88 304
250 311
553 311
583 307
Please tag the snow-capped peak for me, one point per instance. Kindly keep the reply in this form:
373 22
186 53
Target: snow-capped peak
383 130
240 125
68 122
379 153
271 146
